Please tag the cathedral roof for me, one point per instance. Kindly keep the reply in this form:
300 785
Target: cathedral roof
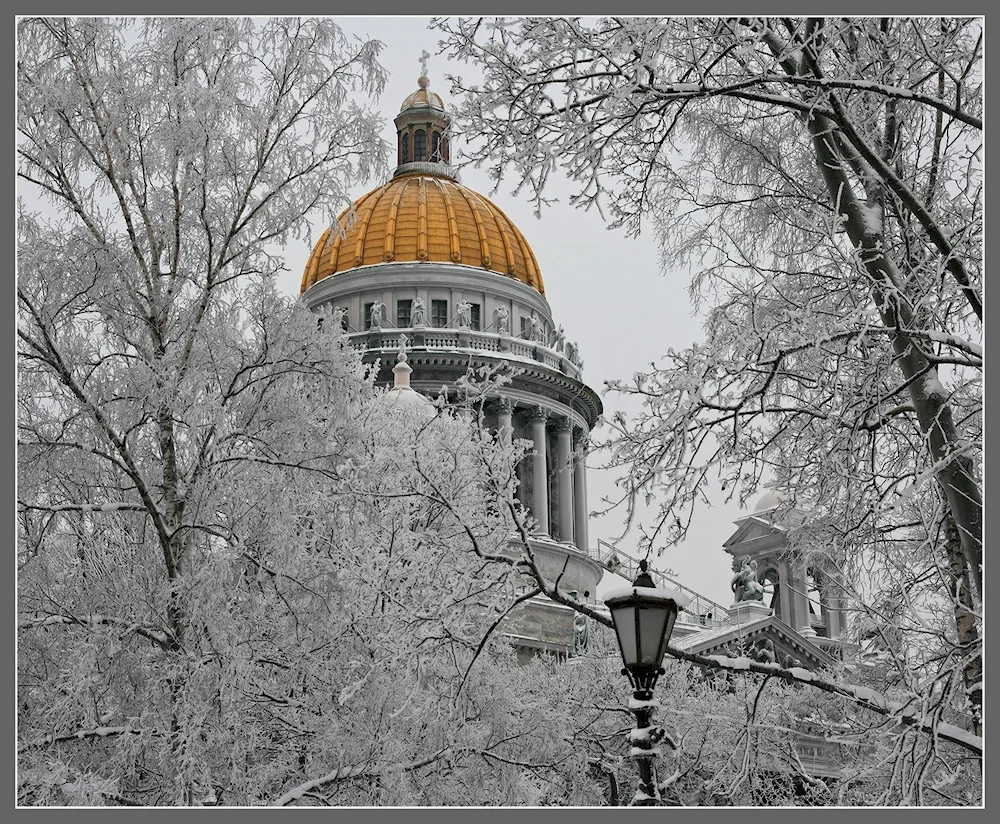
423 217
423 214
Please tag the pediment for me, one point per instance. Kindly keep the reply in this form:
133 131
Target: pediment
735 641
752 533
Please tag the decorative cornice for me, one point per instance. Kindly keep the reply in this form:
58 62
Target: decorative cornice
565 390
424 167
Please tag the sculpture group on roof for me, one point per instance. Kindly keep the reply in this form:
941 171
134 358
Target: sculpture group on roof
744 584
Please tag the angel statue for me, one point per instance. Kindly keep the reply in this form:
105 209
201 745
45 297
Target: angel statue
500 317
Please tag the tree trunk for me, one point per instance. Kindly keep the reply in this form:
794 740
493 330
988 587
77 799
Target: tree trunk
953 469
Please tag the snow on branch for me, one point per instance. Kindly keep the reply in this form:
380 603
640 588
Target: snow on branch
344 773
79 735
868 698
157 635
86 508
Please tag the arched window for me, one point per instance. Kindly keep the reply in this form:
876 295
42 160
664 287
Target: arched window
420 145
404 148
814 592
436 147
771 591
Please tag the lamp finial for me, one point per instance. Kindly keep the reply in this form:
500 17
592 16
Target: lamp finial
644 579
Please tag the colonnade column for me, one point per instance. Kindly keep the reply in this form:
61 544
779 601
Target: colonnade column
831 602
802 614
580 491
564 478
785 594
539 470
505 420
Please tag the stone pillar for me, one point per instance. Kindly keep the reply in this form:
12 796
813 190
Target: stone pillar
841 602
580 491
785 593
801 597
831 604
564 477
539 470
505 420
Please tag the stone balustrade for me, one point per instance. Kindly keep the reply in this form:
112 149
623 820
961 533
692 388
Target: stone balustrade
492 343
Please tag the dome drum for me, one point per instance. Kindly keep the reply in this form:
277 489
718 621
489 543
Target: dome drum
393 284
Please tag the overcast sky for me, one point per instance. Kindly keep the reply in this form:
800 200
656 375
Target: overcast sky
606 290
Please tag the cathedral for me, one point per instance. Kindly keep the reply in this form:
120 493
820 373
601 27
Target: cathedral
424 264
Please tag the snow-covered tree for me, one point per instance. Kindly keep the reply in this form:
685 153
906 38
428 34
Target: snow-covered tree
161 161
821 178
243 576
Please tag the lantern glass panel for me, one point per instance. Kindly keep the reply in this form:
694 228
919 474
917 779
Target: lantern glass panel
671 618
624 618
651 625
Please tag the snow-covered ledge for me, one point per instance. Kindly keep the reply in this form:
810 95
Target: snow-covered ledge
744 611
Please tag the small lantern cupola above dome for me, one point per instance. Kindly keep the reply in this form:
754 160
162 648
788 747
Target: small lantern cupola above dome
422 139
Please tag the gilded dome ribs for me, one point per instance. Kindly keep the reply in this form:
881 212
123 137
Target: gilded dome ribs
390 225
422 213
531 265
359 249
501 219
484 242
422 219
335 249
453 237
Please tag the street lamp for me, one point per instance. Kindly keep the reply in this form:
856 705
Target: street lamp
644 616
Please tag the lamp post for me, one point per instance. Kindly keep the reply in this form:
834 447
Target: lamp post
644 617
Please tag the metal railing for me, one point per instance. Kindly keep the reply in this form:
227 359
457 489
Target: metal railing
700 610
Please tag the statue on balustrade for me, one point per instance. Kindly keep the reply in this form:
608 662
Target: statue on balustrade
559 339
419 315
464 310
333 319
573 355
375 313
500 317
537 332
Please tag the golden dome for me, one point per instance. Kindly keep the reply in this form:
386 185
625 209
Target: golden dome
424 217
